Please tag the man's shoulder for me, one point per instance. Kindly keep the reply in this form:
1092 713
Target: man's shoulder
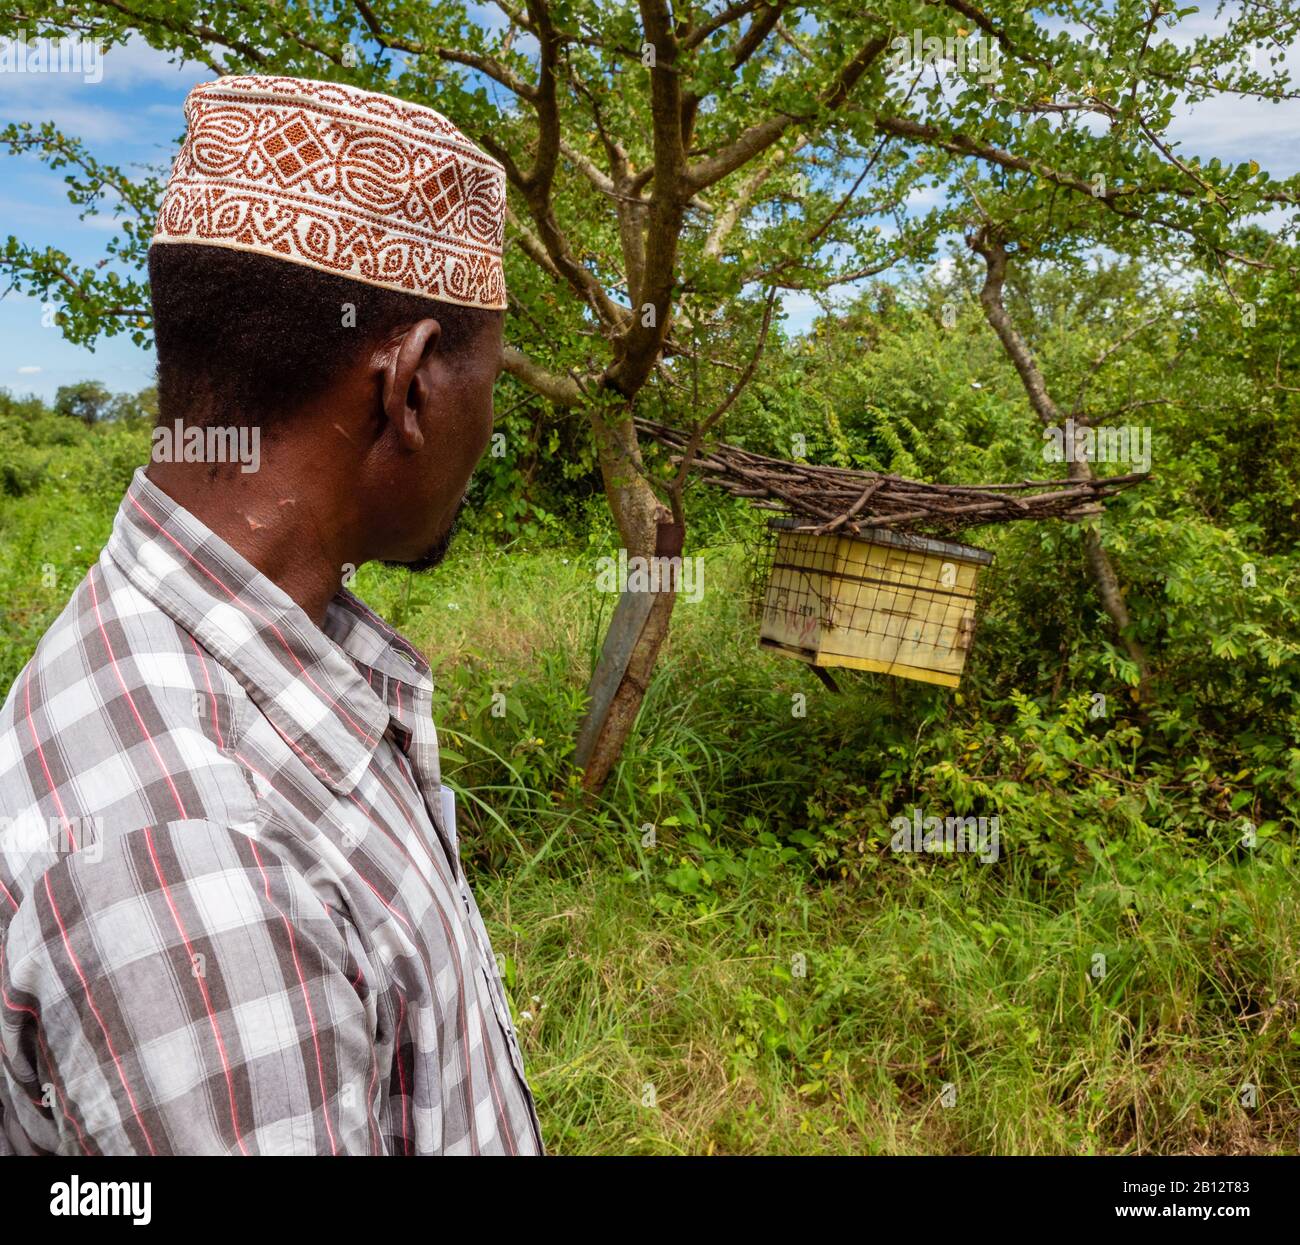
110 659
120 720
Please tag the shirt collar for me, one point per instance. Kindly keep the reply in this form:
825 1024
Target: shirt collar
301 677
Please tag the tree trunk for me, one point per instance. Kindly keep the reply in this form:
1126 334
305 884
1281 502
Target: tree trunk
1102 573
647 531
1100 569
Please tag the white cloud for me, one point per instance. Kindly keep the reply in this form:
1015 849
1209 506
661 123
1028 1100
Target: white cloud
135 63
93 124
800 311
1237 129
922 197
92 110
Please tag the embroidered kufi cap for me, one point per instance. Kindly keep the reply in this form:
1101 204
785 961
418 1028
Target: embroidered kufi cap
347 181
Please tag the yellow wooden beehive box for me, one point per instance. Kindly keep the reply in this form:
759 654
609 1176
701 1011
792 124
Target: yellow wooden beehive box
883 601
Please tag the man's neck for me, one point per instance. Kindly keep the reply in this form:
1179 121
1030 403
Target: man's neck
283 529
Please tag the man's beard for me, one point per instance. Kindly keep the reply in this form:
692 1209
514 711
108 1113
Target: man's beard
438 550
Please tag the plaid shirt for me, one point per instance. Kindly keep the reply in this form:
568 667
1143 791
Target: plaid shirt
233 917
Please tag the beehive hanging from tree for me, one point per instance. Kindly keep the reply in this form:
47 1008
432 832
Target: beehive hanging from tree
854 574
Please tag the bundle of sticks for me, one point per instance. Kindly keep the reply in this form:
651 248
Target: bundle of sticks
832 498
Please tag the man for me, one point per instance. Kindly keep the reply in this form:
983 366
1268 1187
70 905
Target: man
233 918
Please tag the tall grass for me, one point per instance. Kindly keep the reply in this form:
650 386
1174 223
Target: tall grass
731 987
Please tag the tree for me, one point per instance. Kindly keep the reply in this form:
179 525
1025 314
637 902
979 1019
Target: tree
87 400
135 406
670 166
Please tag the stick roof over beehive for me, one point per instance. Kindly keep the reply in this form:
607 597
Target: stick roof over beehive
830 499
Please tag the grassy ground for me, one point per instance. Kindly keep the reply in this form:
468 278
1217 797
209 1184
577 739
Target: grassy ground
904 993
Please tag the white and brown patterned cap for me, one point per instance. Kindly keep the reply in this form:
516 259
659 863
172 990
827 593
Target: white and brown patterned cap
348 181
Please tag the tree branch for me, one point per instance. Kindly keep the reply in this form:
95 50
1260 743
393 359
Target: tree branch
562 390
703 173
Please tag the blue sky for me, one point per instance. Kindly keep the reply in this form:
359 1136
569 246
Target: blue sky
133 118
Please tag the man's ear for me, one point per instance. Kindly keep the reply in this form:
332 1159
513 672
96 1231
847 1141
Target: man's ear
404 391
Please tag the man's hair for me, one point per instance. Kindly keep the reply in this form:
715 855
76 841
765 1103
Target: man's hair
246 339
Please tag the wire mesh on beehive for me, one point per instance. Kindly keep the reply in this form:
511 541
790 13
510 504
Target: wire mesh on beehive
879 601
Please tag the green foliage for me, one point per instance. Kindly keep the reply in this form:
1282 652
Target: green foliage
60 483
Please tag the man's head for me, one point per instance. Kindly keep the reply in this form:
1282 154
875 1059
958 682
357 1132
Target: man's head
396 386
327 269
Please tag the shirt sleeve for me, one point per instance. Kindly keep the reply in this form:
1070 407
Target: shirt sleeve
182 990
